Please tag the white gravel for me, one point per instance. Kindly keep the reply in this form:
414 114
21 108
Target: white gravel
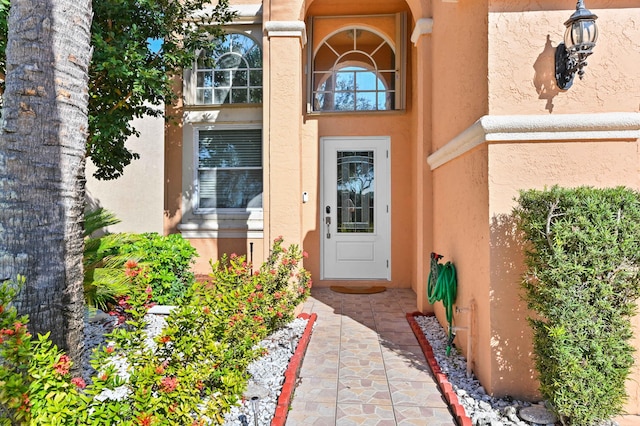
482 409
268 375
267 372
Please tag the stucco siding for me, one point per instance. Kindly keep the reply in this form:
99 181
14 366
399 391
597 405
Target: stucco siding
521 61
527 165
460 90
136 198
397 127
460 234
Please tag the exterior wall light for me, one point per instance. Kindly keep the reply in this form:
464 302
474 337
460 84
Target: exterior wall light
579 40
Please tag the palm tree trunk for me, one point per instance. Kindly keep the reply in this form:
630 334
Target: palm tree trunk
42 161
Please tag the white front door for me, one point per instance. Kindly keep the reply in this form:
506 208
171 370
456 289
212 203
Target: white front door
355 209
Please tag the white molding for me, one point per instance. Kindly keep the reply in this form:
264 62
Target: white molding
423 26
286 29
221 234
220 229
247 10
245 13
560 127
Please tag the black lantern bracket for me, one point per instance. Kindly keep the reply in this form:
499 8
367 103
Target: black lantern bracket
579 40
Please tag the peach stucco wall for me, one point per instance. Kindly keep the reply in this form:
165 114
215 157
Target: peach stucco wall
341 7
421 100
495 58
473 196
282 202
292 150
211 249
460 188
484 57
461 235
569 164
522 45
459 61
397 126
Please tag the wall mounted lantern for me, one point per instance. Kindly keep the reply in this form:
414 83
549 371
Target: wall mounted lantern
579 40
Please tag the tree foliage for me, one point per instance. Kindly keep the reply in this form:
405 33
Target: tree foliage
128 78
4 12
582 280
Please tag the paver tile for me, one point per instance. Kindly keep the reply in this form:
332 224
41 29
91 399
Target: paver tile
317 389
311 413
400 338
362 372
399 371
364 391
415 393
364 414
364 366
421 416
317 366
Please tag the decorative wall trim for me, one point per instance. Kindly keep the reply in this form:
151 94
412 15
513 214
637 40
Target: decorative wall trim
200 233
223 226
562 127
286 29
245 13
423 26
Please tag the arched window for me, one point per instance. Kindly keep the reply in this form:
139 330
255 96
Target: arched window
231 73
354 69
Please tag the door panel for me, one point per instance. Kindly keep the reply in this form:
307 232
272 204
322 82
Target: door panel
355 209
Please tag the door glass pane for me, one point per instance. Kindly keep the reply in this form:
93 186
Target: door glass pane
355 186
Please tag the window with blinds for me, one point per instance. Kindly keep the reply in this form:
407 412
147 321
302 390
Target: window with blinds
230 169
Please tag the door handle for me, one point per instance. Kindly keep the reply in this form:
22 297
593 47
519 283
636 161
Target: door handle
327 220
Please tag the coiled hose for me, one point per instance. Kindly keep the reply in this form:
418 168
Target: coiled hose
443 286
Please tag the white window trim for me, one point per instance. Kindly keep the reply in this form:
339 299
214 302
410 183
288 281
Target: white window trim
213 70
196 184
219 223
398 46
189 84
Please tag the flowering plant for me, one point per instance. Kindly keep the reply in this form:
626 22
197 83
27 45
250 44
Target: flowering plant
190 374
35 381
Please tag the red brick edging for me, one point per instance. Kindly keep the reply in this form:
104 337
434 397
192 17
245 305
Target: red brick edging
445 387
291 373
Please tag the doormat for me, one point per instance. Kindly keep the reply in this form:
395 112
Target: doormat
358 290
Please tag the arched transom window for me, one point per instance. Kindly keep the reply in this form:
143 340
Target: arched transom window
231 73
354 69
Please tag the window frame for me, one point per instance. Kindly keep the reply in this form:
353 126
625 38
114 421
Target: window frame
220 212
253 31
397 42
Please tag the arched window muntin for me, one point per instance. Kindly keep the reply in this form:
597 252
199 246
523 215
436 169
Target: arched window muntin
231 73
355 80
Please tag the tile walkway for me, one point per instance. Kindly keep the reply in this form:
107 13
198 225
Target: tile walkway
363 365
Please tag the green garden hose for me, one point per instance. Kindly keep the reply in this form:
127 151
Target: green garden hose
443 286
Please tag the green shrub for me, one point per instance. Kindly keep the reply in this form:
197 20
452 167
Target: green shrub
104 278
196 371
582 281
168 260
